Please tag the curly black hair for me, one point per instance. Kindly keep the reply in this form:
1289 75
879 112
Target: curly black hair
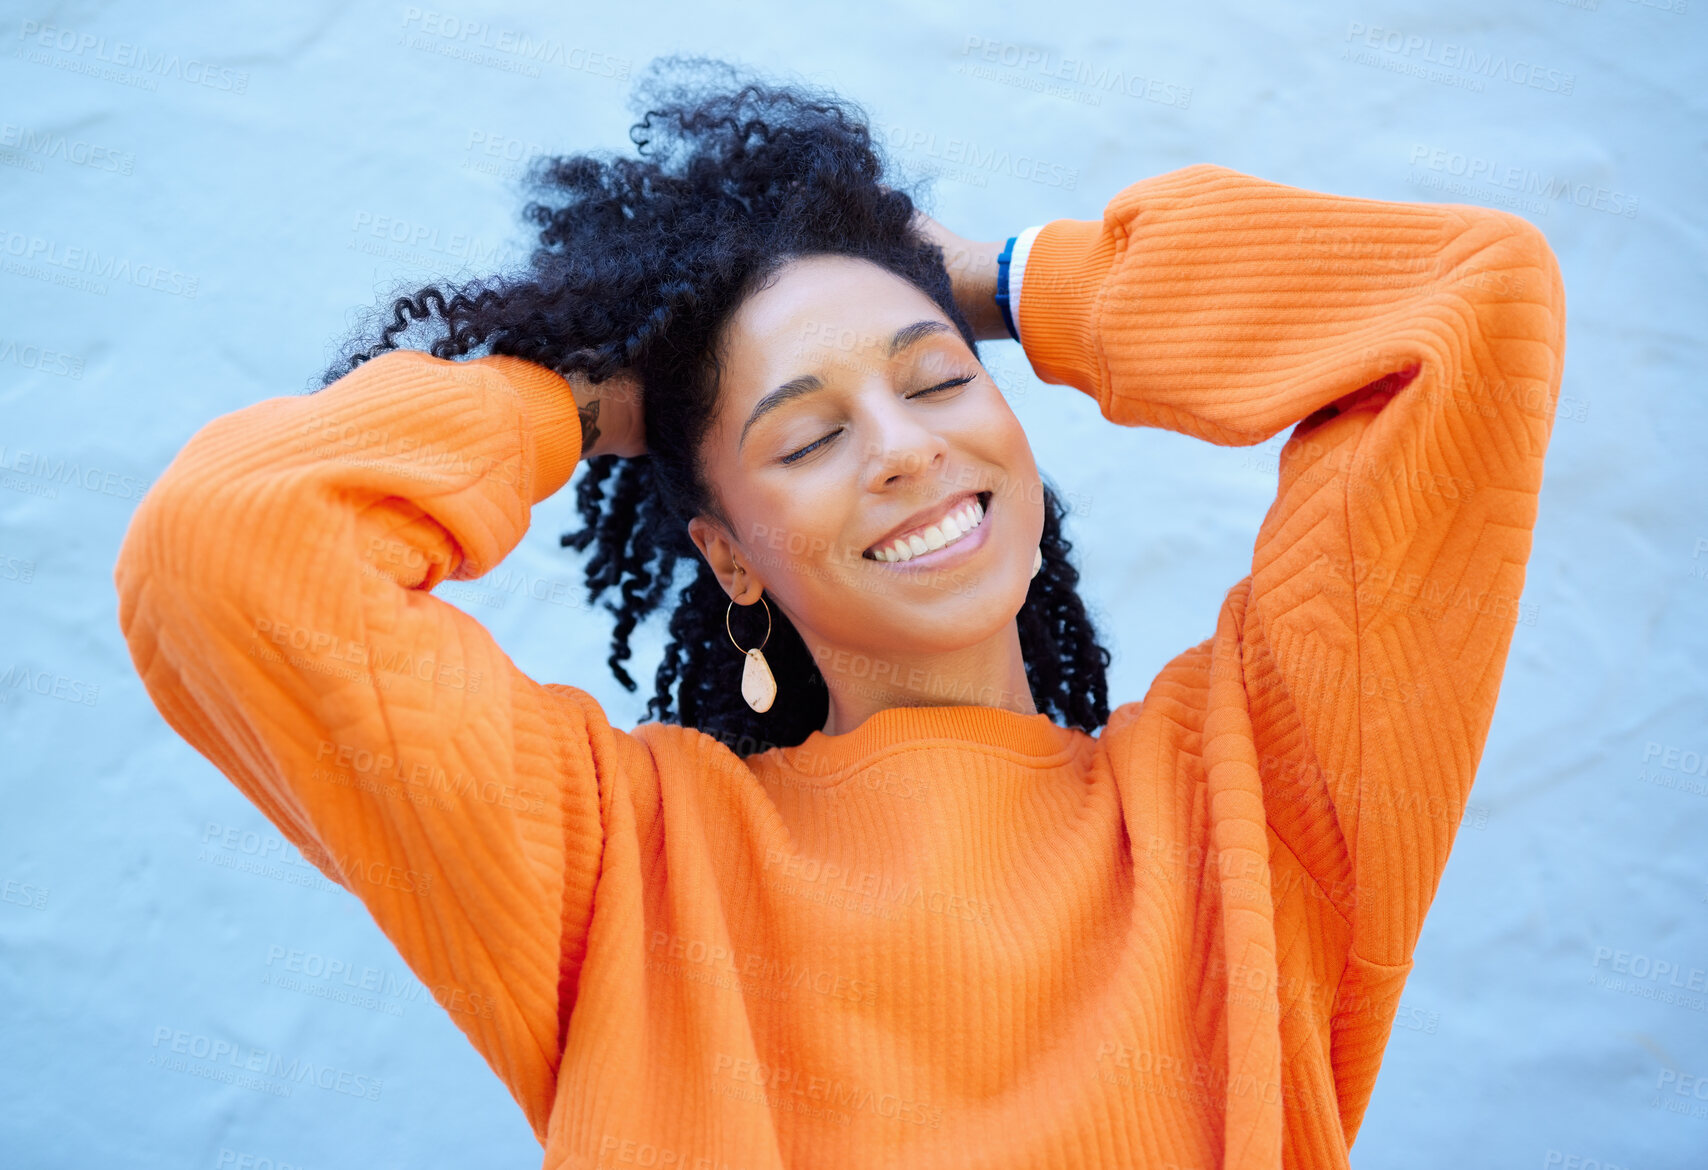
640 265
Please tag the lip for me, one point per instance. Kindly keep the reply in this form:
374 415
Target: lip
936 557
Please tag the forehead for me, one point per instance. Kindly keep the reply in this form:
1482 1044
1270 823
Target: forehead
818 314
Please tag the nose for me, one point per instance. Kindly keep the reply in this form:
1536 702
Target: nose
901 447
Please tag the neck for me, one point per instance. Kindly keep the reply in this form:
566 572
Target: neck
991 673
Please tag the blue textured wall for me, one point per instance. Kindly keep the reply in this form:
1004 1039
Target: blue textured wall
194 199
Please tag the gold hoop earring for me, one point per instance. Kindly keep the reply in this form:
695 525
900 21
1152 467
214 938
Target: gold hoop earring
758 684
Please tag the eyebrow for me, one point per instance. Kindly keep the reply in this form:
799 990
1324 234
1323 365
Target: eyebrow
808 383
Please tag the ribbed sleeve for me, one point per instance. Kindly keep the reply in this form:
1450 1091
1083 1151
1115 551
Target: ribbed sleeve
273 590
1417 350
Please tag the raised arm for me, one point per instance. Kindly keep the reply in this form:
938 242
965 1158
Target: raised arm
273 590
1419 348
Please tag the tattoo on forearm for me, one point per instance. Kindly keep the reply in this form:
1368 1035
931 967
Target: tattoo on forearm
589 414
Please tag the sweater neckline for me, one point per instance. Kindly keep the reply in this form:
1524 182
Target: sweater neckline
1035 736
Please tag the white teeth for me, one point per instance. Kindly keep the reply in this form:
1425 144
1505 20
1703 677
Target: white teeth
946 531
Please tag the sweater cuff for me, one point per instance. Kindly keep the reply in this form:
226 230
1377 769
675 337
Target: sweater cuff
1065 266
549 414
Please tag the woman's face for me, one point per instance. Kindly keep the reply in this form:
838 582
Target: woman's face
852 413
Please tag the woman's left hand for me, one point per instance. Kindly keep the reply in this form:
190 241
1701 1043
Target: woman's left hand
972 275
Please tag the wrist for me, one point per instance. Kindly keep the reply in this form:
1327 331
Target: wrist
973 275
610 415
1007 289
1011 274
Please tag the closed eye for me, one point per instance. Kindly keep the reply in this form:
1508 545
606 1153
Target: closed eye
803 452
944 386
809 448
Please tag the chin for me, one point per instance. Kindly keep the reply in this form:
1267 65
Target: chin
952 610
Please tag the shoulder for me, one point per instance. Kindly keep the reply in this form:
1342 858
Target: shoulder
676 748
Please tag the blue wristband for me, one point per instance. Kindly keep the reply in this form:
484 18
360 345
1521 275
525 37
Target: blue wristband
1002 287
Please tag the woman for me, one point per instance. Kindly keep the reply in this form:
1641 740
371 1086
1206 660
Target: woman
904 892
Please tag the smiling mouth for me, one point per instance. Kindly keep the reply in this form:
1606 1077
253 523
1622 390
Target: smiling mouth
954 527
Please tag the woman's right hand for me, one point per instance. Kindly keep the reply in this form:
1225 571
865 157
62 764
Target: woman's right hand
612 419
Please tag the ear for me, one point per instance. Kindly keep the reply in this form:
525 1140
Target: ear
726 561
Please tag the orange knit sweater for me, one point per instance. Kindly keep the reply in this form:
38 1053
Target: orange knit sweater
954 936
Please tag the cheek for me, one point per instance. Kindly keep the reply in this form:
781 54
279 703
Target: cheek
991 430
1007 452
794 535
1016 446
